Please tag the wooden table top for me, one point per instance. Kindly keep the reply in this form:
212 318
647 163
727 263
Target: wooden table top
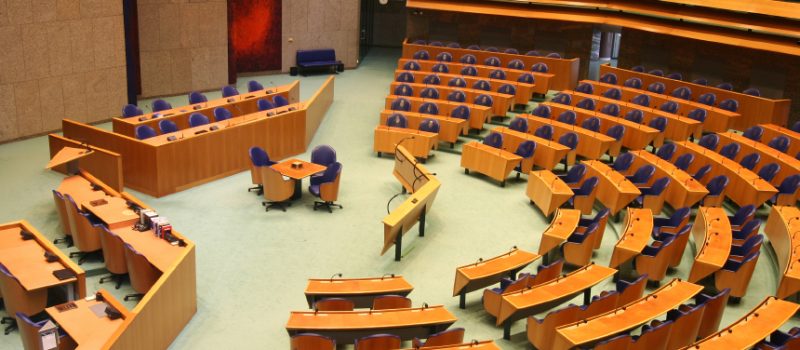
158 252
563 225
666 298
496 266
113 211
79 189
364 320
81 323
305 170
712 236
27 263
358 286
635 236
759 323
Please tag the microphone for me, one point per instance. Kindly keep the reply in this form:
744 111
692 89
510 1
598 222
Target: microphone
424 305
336 275
384 275
398 145
414 183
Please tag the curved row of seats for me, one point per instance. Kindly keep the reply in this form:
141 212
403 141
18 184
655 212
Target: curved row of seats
700 81
509 50
682 92
195 97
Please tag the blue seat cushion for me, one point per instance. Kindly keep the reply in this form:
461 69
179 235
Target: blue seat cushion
314 189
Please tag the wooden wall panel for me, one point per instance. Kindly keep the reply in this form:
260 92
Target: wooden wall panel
317 106
315 24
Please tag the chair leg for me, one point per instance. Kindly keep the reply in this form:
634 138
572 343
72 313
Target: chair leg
259 189
5 320
133 296
327 205
279 205
11 327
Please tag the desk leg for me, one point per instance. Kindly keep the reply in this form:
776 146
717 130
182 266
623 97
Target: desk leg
422 221
298 189
462 300
587 296
507 330
398 245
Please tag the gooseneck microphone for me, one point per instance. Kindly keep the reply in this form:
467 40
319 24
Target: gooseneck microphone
336 275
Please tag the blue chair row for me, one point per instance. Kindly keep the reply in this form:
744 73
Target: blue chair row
700 81
456 45
526 149
492 61
194 98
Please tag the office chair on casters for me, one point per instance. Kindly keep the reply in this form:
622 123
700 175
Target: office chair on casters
142 273
326 187
17 299
258 158
58 198
277 191
114 256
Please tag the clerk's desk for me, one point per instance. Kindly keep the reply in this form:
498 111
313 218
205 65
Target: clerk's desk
172 301
712 237
745 187
25 260
564 70
524 91
591 330
753 109
637 136
547 191
614 190
547 155
635 236
360 290
449 128
717 119
591 145
683 190
165 168
783 230
478 114
484 273
772 131
758 324
501 103
238 105
520 98
347 326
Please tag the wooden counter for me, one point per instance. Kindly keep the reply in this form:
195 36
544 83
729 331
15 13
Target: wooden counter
712 237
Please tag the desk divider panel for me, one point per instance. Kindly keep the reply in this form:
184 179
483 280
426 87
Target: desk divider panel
106 165
316 108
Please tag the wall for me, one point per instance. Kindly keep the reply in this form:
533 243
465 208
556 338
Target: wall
389 24
571 40
59 59
776 75
314 24
183 45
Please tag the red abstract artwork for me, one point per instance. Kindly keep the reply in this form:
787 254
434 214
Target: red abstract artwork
254 33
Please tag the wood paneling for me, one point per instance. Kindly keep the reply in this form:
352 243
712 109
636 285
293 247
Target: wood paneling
104 164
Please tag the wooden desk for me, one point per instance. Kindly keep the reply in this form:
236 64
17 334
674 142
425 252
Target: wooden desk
637 136
474 345
493 162
717 119
547 155
347 326
591 145
712 237
420 143
26 262
484 273
564 223
494 84
564 70
360 290
238 106
84 326
614 190
530 301
525 91
478 114
789 165
113 211
635 236
683 190
547 191
591 330
501 103
449 128
758 324
753 109
771 131
783 230
745 187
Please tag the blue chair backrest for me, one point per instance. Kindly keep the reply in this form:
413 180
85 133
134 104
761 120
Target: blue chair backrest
750 161
470 71
429 108
516 64
675 75
567 117
436 43
591 123
401 104
403 90
563 99
580 237
526 149
796 126
397 120
717 185
540 67
330 173
197 119
429 92
492 61
553 55
658 186
541 111
468 59
656 72
709 141
684 161
444 57
643 174
616 132
526 78
623 162
545 132
259 157
491 49
519 124
610 109
789 184
167 126
653 251
196 97
656 88
585 88
733 265
473 47
642 100
280 101
569 139
575 174
609 78
748 228
730 150
229 91
666 151
708 98
460 112
658 123
422 55
131 111
483 100
457 96
635 83
533 53
638 69
457 82
729 105
700 81
754 133
253 86
678 216
264 104
494 139
412 65
432 79
682 92
725 86
698 114
507 89
635 116
752 243
405 77
453 45
752 91
429 125
669 107
144 132
161 105
323 155
497 74
702 172
780 143
613 94
769 171
220 113
586 187
511 51
440 68
482 85
744 213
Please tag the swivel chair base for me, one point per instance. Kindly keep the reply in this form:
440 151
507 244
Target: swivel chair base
134 296
259 189
279 205
82 256
114 277
12 324
327 205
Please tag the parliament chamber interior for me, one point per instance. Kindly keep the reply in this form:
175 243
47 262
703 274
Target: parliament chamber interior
606 174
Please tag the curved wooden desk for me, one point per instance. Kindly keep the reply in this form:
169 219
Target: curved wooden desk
478 114
591 145
591 330
360 290
564 70
524 93
347 326
712 237
493 162
758 324
637 136
635 236
528 302
547 155
745 187
783 230
683 190
484 273
548 192
419 143
771 131
564 223
449 128
614 190
501 103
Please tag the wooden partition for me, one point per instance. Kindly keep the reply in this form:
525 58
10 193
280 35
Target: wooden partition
316 108
106 165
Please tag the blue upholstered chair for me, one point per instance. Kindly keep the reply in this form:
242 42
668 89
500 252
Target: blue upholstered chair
253 86
401 104
483 100
642 100
658 123
709 141
451 336
697 114
730 150
708 98
468 59
786 191
754 133
492 62
422 55
526 78
469 71
519 124
574 175
570 140
614 94
491 49
729 105
586 103
591 123
473 47
736 274
669 107
581 193
609 78
196 97
444 57
429 92
540 67
672 224
656 72
750 161
420 42
265 104
700 81
675 76
651 195
639 69
161 105
482 85
453 45
457 96
167 126
412 65
145 132
497 74
405 77
768 171
616 132
635 116
460 112
780 143
429 125
432 79
131 111
429 108
220 114
507 89
563 99
533 53
610 109
397 120
623 163
702 172
642 175
457 82
516 64
752 92
656 87
440 68
682 92
742 216
541 111
795 127
526 149
545 132
716 186
378 341
684 161
744 233
667 151
635 83
258 158
280 101
553 55
229 91
725 86
323 155
585 88
403 90
567 117
326 187
436 44
494 139
197 119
